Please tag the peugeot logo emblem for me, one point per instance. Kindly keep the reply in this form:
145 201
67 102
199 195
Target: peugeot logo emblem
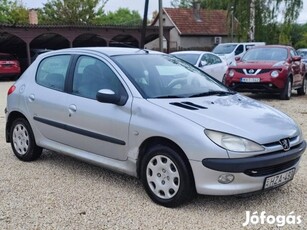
251 71
285 143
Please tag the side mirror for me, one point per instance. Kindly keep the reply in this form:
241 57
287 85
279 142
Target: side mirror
203 63
109 96
237 58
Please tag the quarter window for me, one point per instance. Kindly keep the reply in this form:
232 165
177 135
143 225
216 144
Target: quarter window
52 71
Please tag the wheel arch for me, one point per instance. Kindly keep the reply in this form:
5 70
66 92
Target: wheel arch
152 141
12 116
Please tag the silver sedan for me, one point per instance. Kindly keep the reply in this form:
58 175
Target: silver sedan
152 116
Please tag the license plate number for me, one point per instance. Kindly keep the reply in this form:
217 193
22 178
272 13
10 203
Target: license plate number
275 181
250 79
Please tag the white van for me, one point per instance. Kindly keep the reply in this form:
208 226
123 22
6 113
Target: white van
231 50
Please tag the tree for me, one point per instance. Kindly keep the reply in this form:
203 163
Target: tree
13 12
122 16
72 11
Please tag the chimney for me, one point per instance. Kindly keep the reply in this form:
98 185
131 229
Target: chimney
33 19
196 10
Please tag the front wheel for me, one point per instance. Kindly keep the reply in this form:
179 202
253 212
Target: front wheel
287 90
166 177
23 142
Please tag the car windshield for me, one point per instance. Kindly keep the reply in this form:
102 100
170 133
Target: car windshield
266 54
191 58
165 76
224 48
303 54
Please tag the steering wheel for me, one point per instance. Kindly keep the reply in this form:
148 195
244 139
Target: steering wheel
177 82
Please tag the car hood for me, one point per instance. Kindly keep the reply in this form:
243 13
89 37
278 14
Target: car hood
256 64
234 114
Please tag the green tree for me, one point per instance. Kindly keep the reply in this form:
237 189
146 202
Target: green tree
13 12
122 16
72 11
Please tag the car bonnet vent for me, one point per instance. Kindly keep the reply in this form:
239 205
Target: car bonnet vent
188 105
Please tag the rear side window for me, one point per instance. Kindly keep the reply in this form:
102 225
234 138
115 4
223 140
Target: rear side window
52 71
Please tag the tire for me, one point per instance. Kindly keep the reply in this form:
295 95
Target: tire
23 142
166 177
302 90
287 90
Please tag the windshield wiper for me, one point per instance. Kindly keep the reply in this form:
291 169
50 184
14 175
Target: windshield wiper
168 96
210 93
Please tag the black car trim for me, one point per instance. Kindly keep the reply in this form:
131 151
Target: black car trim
238 165
80 131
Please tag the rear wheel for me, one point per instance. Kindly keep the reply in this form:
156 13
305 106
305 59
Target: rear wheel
302 90
287 90
23 142
166 177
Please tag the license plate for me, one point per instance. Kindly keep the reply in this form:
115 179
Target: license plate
279 179
250 79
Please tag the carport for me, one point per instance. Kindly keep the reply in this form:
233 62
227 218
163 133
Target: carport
20 39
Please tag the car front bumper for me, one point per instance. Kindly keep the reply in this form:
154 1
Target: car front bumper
249 173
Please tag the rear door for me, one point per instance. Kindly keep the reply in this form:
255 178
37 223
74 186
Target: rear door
47 99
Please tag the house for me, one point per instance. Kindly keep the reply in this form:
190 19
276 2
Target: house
194 28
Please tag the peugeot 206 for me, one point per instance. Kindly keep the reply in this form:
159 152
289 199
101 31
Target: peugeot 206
152 116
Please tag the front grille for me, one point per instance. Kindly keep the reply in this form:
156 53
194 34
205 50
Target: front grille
271 169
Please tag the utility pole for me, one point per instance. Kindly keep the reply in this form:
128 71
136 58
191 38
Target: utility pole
160 26
251 32
144 25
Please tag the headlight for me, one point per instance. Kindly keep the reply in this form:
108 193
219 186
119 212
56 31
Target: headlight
231 73
233 143
274 73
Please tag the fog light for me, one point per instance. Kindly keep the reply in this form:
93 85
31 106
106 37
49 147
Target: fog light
226 178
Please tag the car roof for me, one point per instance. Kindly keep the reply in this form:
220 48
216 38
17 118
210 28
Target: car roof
272 46
109 51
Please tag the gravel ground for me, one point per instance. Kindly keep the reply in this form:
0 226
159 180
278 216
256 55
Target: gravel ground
58 192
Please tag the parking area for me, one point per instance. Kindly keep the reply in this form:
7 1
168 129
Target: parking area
59 192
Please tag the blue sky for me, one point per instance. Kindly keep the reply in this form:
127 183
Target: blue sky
138 5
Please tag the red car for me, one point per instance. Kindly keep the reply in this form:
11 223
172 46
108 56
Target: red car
268 69
9 66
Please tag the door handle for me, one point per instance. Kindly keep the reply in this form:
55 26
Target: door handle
72 108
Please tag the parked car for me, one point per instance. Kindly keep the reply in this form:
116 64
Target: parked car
303 53
152 116
9 66
269 69
229 51
207 61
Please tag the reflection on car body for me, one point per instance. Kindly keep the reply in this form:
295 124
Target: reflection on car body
152 116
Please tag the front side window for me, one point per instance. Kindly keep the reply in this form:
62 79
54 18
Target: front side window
92 75
52 71
239 50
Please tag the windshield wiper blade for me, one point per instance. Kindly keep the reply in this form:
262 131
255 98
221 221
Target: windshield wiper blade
210 93
168 96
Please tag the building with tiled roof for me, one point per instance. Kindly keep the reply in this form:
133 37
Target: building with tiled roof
195 29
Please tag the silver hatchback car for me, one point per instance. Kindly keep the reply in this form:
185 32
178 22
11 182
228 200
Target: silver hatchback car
152 116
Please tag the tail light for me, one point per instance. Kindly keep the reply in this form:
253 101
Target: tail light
11 90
